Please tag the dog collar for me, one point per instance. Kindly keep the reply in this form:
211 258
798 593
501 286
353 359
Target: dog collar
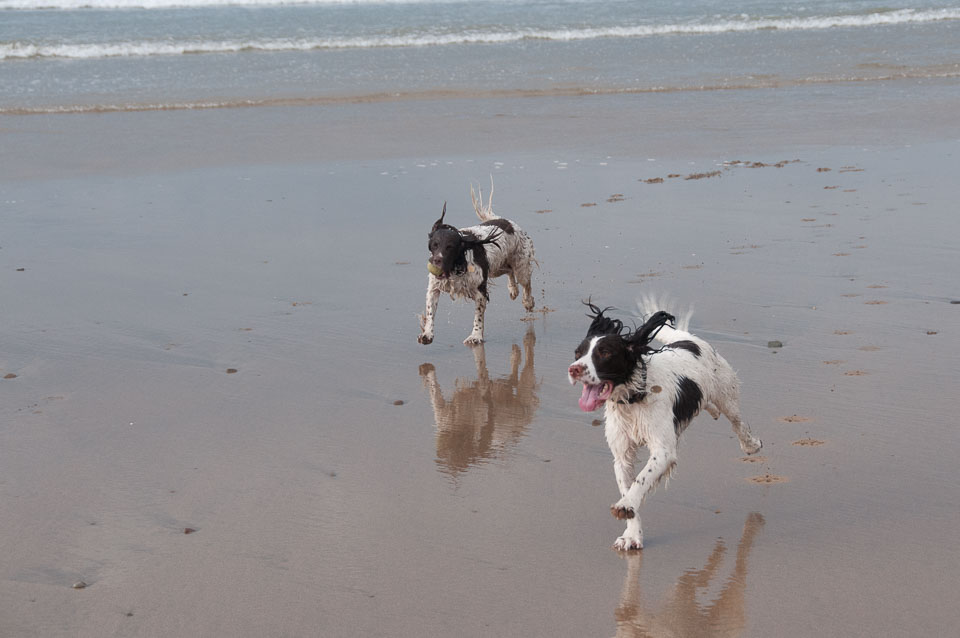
634 398
640 394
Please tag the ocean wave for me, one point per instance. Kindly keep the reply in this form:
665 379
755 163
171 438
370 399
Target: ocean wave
159 48
180 4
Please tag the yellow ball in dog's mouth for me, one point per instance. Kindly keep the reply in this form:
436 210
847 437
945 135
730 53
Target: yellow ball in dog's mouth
434 269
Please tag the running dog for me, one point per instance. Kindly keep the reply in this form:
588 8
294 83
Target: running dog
650 396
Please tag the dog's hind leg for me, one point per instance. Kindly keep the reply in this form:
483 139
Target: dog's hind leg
476 336
426 319
523 277
730 408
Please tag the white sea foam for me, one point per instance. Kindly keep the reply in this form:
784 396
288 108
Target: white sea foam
171 4
168 47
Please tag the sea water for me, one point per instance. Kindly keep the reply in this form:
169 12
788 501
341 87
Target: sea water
107 55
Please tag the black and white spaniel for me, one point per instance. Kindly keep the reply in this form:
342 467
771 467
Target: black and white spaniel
649 396
462 262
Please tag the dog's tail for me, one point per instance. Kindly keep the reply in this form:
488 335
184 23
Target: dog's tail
484 211
648 305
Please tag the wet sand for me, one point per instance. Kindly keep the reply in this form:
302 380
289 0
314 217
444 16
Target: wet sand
219 337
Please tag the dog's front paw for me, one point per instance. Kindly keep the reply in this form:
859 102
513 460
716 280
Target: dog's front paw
627 543
621 511
473 340
425 338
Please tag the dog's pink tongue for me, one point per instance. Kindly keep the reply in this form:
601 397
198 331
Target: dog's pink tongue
590 399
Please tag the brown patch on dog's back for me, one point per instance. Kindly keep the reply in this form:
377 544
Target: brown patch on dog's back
501 223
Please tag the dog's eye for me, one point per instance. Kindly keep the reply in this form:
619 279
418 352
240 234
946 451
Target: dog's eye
603 354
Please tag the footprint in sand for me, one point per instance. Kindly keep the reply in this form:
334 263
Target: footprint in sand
834 362
767 479
841 254
843 332
653 180
875 302
703 175
616 197
855 373
808 442
869 348
753 459
588 205
795 419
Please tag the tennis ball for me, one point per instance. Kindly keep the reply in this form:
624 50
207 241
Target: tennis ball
434 269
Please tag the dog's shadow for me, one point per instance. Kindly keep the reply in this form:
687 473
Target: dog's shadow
680 613
483 417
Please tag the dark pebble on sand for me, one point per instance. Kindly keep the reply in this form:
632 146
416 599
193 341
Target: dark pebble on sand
188 530
20 269
596 422
231 370
79 585
10 376
774 344
398 402
955 302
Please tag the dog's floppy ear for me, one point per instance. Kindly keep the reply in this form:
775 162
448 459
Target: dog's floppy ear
468 242
602 325
437 224
645 334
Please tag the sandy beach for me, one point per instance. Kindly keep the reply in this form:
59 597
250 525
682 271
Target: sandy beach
216 417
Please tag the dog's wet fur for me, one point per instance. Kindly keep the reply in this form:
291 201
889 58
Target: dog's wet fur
465 260
650 395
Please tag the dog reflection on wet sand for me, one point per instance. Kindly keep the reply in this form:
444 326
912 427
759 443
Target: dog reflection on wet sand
680 614
484 416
